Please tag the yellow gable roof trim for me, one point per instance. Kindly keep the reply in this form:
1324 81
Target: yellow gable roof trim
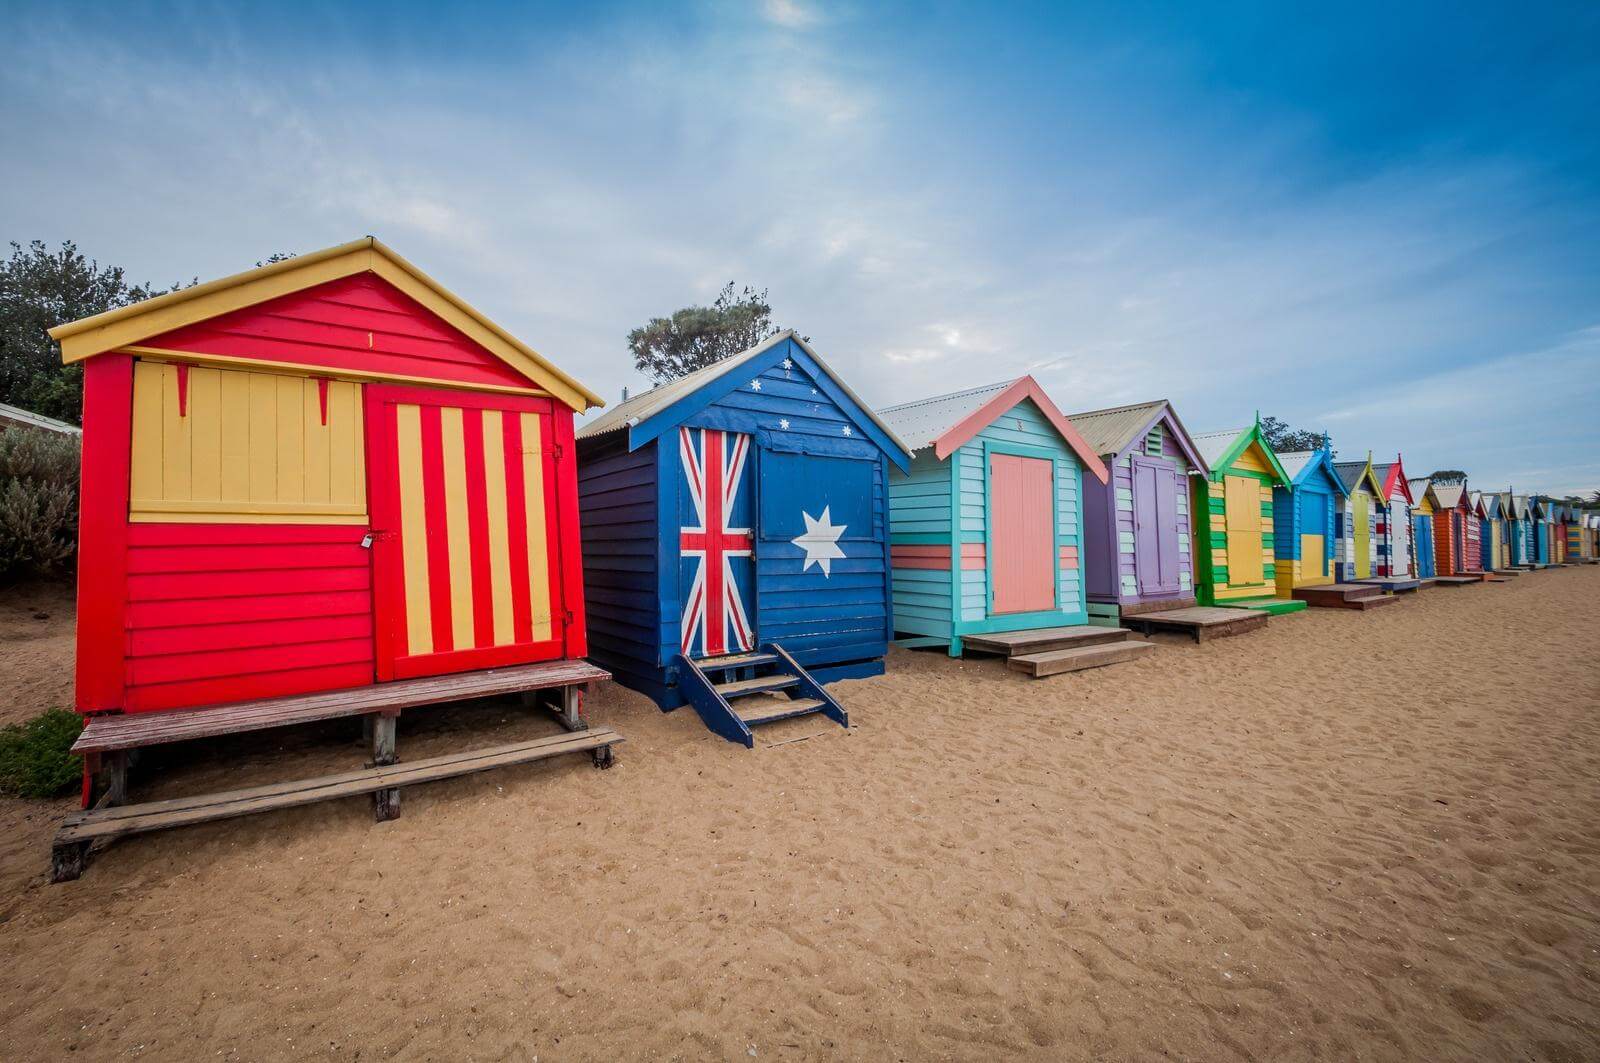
127 325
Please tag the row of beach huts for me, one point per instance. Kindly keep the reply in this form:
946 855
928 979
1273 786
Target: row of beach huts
330 488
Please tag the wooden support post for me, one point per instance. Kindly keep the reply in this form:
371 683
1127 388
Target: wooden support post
114 777
385 803
67 860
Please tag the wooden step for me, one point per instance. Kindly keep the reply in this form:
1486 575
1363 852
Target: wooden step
1338 595
203 808
734 660
768 710
761 685
1044 639
1202 621
1077 658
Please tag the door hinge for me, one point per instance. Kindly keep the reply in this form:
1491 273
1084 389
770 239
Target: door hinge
556 451
567 618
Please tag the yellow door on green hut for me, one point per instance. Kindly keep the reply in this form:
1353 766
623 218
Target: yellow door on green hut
1358 514
1242 499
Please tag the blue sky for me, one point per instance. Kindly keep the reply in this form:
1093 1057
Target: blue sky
1381 222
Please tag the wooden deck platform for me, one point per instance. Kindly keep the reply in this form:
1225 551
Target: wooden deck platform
107 741
135 730
1270 606
1456 581
1393 584
1361 596
1202 621
1047 651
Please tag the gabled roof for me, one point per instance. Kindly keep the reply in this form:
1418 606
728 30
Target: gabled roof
1303 466
128 325
1221 449
662 408
1475 502
1451 496
948 422
1492 505
1111 432
1351 473
1393 475
1421 488
1517 507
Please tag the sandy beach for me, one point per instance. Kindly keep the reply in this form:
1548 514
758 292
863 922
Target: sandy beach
1350 836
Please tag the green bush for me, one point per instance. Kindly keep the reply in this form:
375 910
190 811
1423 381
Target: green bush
38 502
34 757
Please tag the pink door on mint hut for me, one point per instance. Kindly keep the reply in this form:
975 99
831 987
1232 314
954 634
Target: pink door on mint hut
1022 534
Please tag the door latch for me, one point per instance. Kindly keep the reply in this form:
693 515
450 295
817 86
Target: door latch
374 536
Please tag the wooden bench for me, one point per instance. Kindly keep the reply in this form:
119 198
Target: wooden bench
107 741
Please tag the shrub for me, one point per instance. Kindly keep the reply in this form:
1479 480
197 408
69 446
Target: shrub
38 502
34 761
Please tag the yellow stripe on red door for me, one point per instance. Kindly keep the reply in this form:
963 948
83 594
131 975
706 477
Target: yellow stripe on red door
413 530
537 547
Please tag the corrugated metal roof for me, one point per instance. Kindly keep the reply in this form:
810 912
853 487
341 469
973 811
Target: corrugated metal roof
1109 431
919 424
1350 472
1213 445
17 415
642 407
1295 461
1449 495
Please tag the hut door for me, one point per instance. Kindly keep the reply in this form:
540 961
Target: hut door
1399 538
1242 513
716 542
1363 534
1155 527
1022 534
466 556
1313 534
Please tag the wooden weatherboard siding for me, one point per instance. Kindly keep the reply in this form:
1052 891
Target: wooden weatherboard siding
1396 553
239 495
800 444
1138 540
1236 544
944 529
1305 518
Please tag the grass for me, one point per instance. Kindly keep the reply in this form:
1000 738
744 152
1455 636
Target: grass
34 757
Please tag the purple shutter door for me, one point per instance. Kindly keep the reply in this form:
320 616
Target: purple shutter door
1167 531
1146 537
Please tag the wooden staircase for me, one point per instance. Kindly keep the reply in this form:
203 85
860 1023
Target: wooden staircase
1344 596
1053 650
733 693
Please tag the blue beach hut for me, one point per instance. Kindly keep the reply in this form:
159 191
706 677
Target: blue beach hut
736 538
1304 514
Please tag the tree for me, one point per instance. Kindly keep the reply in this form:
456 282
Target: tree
1448 476
39 289
698 336
1286 440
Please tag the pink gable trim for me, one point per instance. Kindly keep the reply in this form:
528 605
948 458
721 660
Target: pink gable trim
1022 388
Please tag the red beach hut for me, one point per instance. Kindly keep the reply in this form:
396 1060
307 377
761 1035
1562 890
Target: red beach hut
327 474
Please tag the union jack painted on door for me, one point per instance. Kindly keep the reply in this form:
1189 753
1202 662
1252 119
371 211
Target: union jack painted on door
716 543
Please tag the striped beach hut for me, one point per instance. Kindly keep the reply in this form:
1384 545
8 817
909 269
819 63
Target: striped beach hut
1491 533
1539 530
1137 552
1305 519
987 523
1397 548
1519 531
1235 545
1423 512
736 526
1456 531
1360 517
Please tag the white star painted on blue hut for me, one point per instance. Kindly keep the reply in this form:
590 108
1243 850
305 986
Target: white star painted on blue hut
755 385
788 363
846 429
820 542
783 423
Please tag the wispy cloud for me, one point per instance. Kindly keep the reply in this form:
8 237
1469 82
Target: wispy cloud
938 202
